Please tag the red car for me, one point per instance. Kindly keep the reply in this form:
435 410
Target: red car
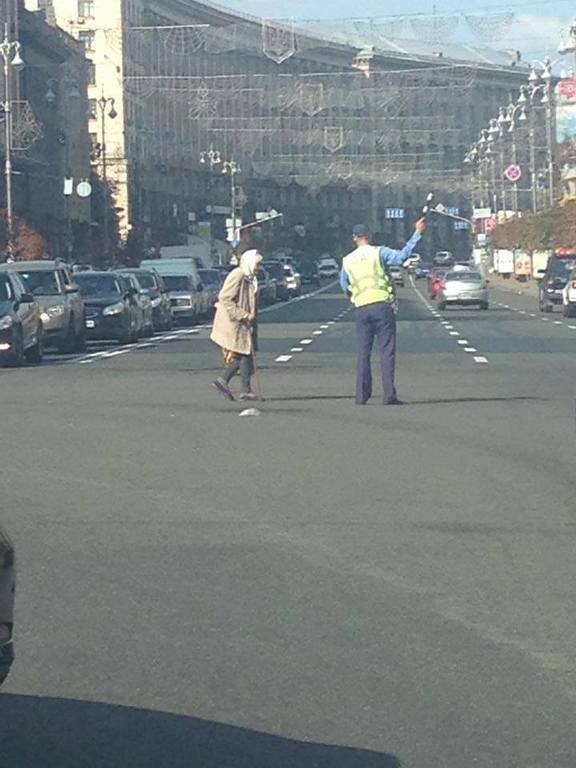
435 279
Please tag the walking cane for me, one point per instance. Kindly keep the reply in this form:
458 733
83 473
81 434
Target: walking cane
256 374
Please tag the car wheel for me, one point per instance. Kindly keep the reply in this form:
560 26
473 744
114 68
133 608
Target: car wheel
80 339
68 343
483 305
35 354
148 331
441 306
567 311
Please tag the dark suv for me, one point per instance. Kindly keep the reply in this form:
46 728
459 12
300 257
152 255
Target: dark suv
52 285
276 270
7 582
552 281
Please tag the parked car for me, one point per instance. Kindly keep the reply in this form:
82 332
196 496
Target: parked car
552 281
212 280
397 275
111 312
55 289
7 589
142 302
293 280
152 282
21 330
276 270
309 274
569 296
328 267
266 287
463 288
185 301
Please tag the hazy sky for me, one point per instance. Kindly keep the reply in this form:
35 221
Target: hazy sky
532 27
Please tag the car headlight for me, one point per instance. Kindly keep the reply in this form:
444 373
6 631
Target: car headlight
114 309
56 311
156 302
5 323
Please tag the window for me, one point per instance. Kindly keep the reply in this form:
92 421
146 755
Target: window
86 36
85 9
92 109
91 73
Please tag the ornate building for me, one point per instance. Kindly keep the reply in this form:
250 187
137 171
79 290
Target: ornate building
50 140
324 126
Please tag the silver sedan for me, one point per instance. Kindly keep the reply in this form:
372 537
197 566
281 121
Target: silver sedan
463 288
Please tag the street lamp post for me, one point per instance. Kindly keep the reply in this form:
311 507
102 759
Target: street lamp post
212 158
232 168
10 51
103 103
71 92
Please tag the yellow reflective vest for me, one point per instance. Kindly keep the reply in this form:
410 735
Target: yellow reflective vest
368 280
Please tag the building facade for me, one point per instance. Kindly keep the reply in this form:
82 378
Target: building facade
324 127
50 141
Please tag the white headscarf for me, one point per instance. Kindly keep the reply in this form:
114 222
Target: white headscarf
248 264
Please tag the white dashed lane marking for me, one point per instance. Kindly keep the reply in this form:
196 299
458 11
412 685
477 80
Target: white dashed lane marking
306 341
283 358
470 349
297 349
480 359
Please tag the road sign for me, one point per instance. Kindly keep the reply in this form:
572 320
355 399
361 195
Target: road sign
84 189
482 213
394 213
513 173
490 225
567 90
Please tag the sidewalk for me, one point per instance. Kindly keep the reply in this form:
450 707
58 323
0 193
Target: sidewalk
513 286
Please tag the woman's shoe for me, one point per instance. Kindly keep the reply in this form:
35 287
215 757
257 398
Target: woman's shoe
223 388
247 396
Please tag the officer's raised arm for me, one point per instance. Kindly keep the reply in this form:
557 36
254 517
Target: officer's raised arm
389 257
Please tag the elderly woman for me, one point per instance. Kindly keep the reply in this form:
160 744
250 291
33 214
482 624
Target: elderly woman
235 325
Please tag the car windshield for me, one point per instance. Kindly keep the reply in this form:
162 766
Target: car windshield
277 270
562 267
145 279
209 276
464 277
93 286
6 293
177 282
42 282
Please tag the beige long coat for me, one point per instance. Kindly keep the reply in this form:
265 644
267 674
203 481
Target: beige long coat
236 300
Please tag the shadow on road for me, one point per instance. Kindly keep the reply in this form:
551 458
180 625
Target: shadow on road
430 401
63 733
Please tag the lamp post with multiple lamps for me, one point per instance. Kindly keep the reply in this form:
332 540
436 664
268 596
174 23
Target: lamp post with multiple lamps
232 168
538 93
71 92
103 103
10 52
211 157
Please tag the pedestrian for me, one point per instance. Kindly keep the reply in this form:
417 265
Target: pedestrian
365 279
235 328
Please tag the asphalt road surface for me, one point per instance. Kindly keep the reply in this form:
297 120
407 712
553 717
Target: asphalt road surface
321 586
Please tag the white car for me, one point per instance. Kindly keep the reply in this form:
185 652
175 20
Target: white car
328 267
293 280
569 296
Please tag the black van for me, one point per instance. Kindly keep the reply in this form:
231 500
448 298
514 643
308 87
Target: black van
553 279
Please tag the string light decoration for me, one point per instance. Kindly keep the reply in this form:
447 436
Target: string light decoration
263 104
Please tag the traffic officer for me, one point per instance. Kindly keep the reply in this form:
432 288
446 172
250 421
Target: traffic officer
365 279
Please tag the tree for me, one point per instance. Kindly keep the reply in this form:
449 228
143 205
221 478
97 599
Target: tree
29 245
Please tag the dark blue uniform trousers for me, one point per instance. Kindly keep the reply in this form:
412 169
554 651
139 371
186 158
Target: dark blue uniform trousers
375 321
